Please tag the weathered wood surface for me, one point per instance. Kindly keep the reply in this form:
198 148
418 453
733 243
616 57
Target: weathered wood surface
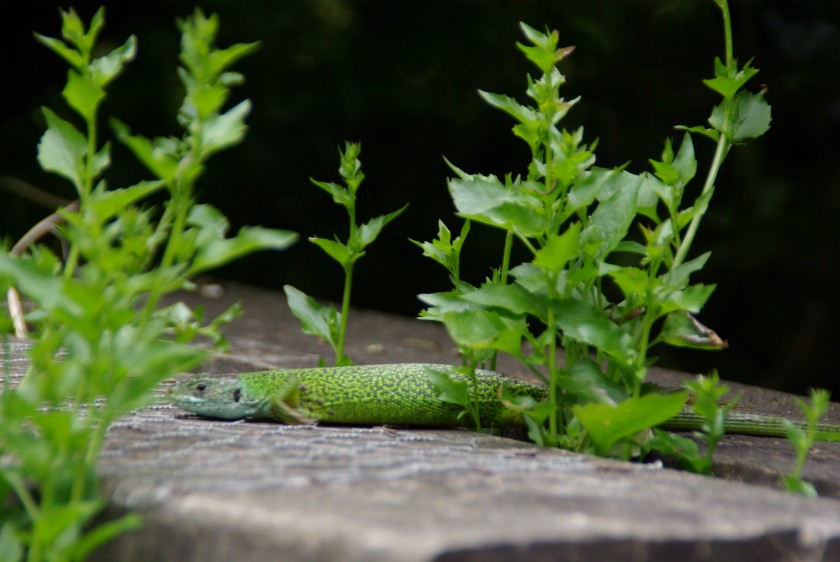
219 491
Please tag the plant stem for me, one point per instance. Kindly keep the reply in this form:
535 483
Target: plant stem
345 311
727 33
720 154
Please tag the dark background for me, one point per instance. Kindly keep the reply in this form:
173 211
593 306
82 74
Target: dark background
401 77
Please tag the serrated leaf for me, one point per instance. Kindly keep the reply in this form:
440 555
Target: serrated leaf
478 328
521 113
512 298
750 117
587 324
586 383
487 201
558 250
612 218
631 280
607 424
726 85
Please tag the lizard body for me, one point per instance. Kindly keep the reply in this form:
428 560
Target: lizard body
395 394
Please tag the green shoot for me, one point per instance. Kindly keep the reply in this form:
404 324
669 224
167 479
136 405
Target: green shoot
707 393
325 321
803 439
574 219
102 345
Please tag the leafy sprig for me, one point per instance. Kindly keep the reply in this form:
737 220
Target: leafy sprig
102 343
326 322
575 219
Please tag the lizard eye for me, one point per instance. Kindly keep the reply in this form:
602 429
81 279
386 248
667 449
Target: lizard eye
237 394
201 387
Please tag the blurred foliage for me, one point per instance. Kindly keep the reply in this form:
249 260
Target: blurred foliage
401 77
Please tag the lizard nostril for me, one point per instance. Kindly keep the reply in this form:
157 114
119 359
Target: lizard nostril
237 394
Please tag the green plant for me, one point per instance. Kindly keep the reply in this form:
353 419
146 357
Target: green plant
707 393
102 344
325 321
591 284
803 439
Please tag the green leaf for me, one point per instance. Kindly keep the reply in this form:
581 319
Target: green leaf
558 250
11 545
678 276
521 113
104 533
513 298
107 67
450 390
339 194
41 284
486 200
107 204
586 383
83 95
337 251
705 131
227 129
248 240
154 155
608 424
682 449
368 231
631 280
685 162
72 56
589 186
690 299
749 117
726 84
480 329
587 324
62 149
443 249
612 218
315 319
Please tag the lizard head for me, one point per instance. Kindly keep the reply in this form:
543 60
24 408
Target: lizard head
221 397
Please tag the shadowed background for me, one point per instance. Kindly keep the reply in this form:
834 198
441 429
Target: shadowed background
401 78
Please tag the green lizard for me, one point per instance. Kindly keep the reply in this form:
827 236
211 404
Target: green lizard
396 394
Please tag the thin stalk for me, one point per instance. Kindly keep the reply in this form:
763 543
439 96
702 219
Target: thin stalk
720 154
552 378
345 311
723 144
727 33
